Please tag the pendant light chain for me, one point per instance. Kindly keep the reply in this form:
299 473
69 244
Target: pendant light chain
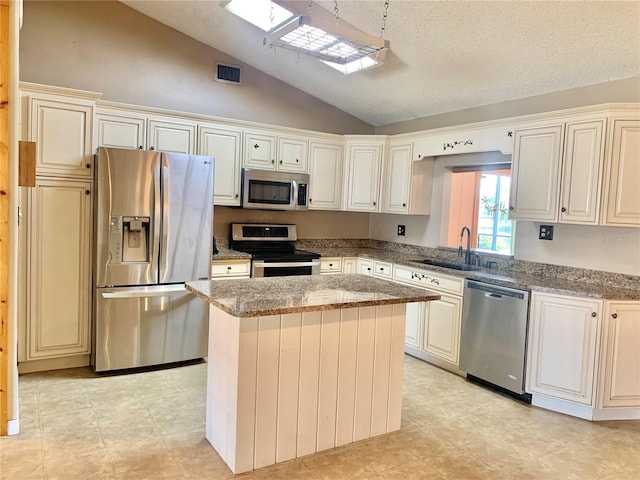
384 18
310 8
335 10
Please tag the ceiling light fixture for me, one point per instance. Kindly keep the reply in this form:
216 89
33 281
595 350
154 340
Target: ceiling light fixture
264 14
344 48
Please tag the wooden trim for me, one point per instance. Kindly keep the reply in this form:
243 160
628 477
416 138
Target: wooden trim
5 8
27 164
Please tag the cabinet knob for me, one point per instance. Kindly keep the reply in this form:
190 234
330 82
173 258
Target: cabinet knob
297 160
614 315
88 165
237 195
510 207
369 269
280 162
594 314
273 161
331 264
310 200
151 148
404 204
228 268
563 209
87 192
139 147
374 204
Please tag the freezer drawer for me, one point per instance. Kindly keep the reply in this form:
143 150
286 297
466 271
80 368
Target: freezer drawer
140 326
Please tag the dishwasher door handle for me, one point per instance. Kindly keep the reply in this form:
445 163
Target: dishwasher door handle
493 295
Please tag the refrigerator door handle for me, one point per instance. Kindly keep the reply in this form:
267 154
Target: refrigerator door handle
157 199
142 292
164 234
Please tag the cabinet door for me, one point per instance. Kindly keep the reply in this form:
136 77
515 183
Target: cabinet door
224 146
120 131
59 269
622 195
365 266
349 265
563 336
172 136
259 151
442 321
292 155
535 174
582 170
62 132
363 176
325 184
621 355
414 324
397 176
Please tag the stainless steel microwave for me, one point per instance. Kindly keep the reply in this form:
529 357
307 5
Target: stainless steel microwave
269 190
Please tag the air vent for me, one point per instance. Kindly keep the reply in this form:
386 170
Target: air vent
228 74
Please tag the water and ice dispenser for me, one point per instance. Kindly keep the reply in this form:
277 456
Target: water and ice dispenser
129 239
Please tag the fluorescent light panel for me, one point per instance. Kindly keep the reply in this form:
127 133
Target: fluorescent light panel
258 12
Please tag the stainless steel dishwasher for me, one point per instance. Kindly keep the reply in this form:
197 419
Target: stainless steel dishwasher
494 335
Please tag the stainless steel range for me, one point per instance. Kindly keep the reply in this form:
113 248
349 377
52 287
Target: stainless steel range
273 251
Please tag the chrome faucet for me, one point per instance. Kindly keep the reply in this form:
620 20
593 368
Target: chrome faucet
467 253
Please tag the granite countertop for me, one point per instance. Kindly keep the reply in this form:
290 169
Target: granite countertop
225 253
507 278
251 297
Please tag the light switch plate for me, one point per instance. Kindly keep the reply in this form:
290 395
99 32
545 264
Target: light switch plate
546 232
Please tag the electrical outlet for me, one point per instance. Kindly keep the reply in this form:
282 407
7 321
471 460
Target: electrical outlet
546 232
401 230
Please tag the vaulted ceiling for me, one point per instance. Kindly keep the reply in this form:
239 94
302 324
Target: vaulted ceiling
445 55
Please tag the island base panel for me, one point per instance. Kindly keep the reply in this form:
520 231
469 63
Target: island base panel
285 386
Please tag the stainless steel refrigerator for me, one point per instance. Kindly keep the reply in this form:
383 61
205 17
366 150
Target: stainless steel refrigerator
153 220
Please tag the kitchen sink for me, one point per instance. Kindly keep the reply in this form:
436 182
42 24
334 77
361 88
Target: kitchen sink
454 266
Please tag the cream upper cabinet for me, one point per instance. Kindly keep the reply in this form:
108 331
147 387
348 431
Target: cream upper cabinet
171 135
563 339
325 173
582 172
535 173
224 146
557 172
120 130
407 183
270 151
59 276
362 172
620 370
621 203
135 129
62 129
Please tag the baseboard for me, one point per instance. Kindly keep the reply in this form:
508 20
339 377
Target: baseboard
562 406
414 352
43 365
13 427
617 413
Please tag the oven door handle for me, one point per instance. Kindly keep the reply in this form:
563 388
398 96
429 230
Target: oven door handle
313 263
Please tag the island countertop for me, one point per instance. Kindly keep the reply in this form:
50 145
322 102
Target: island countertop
252 297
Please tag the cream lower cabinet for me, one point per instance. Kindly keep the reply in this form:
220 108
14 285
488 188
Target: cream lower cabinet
564 334
330 265
365 266
59 270
433 328
350 265
230 268
620 367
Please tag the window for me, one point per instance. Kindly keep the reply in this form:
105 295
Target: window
480 201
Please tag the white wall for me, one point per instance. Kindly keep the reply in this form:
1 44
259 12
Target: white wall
110 48
612 249
310 224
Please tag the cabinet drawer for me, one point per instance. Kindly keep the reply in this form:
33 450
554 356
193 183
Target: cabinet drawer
230 268
382 269
331 265
428 279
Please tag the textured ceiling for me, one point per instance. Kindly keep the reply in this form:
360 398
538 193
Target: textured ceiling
445 55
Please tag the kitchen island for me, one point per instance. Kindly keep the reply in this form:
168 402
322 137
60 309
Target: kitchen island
302 364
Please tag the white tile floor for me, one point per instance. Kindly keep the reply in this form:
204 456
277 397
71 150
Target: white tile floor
79 425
